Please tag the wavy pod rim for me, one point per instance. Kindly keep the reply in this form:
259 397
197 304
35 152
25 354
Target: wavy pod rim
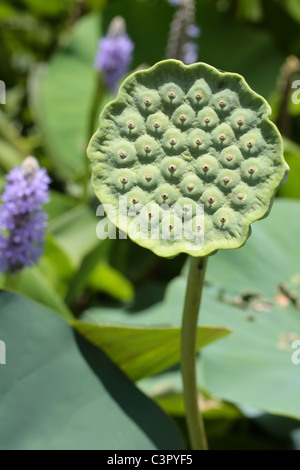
193 73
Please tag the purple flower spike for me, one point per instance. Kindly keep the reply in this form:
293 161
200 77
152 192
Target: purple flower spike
115 53
22 221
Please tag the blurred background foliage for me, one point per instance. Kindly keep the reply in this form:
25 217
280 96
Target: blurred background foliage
116 293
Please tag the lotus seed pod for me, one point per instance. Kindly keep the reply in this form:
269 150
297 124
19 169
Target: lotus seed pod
195 155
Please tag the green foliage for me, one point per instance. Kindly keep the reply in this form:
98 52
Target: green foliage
61 393
52 393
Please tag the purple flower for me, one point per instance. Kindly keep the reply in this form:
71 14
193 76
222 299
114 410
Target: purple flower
22 220
115 53
193 31
175 3
190 52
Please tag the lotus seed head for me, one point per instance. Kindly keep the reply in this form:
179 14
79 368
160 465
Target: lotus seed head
124 180
178 136
131 125
172 167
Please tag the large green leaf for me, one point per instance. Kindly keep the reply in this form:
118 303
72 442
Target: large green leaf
140 351
270 256
253 366
60 392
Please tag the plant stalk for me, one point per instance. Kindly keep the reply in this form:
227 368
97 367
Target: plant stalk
188 352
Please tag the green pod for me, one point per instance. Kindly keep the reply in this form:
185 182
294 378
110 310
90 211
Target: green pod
197 145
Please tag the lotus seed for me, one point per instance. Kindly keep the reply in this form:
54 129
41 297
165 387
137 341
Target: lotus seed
150 215
170 227
147 148
222 137
240 122
190 186
156 124
123 154
240 196
222 104
124 180
205 167
250 144
164 195
131 125
229 158
251 170
148 102
172 95
198 96
148 177
198 141
223 219
226 179
182 117
172 141
211 199
172 168
135 200
207 120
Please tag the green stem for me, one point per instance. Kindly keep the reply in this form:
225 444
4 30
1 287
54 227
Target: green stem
188 352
